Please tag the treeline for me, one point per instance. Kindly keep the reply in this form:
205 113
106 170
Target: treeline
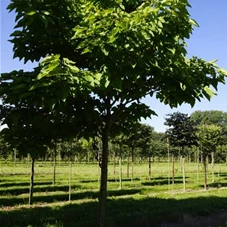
205 131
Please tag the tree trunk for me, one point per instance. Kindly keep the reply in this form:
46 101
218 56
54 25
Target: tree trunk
128 164
197 166
183 172
173 169
226 157
15 157
55 154
120 173
70 179
149 165
88 157
205 172
114 164
31 182
132 173
28 160
212 166
104 176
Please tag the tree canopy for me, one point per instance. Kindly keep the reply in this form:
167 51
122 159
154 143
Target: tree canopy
182 130
105 56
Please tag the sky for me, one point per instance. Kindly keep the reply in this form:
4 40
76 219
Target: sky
208 41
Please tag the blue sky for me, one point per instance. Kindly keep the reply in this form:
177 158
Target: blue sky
209 42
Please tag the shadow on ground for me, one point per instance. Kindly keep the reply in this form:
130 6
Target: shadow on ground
48 188
50 198
127 212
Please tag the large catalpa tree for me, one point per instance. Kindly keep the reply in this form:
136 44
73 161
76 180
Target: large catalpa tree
105 56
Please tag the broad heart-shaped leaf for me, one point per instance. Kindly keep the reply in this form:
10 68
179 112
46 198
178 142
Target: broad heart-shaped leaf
209 92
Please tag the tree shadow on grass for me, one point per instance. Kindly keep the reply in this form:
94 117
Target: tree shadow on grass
217 184
112 180
50 198
127 212
24 190
161 182
13 184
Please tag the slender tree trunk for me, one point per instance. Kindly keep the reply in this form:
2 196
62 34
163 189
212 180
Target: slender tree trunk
132 166
55 154
114 164
226 157
183 172
128 158
31 182
212 166
104 175
15 157
120 173
205 172
173 169
197 166
70 179
88 157
28 160
149 166
189 158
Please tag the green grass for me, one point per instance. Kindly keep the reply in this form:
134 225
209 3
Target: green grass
140 202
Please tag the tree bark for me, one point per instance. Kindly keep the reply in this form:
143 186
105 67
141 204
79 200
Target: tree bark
120 173
173 169
104 174
70 179
15 157
31 182
149 166
205 172
114 164
55 154
128 165
183 172
212 166
198 166
132 165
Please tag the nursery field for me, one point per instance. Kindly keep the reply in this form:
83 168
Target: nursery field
140 202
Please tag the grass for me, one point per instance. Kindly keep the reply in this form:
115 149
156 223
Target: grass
140 202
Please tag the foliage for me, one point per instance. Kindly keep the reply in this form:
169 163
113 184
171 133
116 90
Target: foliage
111 54
182 130
214 117
4 148
209 138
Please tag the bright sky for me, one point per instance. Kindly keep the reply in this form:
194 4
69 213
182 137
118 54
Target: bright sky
209 42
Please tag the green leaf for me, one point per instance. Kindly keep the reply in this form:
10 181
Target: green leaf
145 35
31 13
209 91
193 22
104 50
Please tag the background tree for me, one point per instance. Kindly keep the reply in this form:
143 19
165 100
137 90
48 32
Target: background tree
148 143
109 60
214 117
181 133
208 138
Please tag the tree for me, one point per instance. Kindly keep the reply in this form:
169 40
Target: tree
27 125
120 142
109 60
209 138
213 117
182 133
4 149
148 142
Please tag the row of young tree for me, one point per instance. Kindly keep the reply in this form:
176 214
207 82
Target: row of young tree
95 70
197 137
